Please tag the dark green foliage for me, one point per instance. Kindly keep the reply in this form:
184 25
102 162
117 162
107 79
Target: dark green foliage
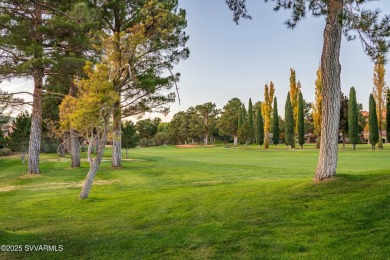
301 121
228 122
373 123
388 115
129 135
147 128
259 125
19 138
251 134
353 118
243 129
343 125
289 122
275 123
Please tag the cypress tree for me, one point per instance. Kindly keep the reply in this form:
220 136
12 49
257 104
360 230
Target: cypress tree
289 122
250 120
301 122
343 125
275 125
373 123
259 127
388 115
353 118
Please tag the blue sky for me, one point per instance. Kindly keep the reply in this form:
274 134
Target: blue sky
229 60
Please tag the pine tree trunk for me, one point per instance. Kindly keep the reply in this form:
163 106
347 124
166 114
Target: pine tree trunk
74 148
266 140
235 143
116 142
36 124
330 69
353 147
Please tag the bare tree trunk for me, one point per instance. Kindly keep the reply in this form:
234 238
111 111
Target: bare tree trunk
343 141
330 69
93 163
206 139
235 142
74 137
36 124
74 148
266 140
116 142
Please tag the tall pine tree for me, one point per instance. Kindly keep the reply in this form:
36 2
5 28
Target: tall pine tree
373 123
275 125
301 121
36 37
353 118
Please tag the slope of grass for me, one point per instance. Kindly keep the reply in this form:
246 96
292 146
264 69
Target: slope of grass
201 203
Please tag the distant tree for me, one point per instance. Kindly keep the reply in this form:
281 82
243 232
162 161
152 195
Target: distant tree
147 128
373 123
388 115
266 111
301 121
20 135
295 88
129 136
250 121
259 125
353 117
341 17
317 108
343 126
207 113
275 121
379 93
228 122
243 129
289 123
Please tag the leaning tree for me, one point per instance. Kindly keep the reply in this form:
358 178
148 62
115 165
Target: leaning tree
342 16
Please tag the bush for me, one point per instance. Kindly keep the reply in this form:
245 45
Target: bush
5 152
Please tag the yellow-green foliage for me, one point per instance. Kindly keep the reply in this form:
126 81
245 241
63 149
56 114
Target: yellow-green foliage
267 105
317 106
93 104
379 91
295 88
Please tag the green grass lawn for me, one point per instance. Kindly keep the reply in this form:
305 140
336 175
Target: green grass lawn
201 203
